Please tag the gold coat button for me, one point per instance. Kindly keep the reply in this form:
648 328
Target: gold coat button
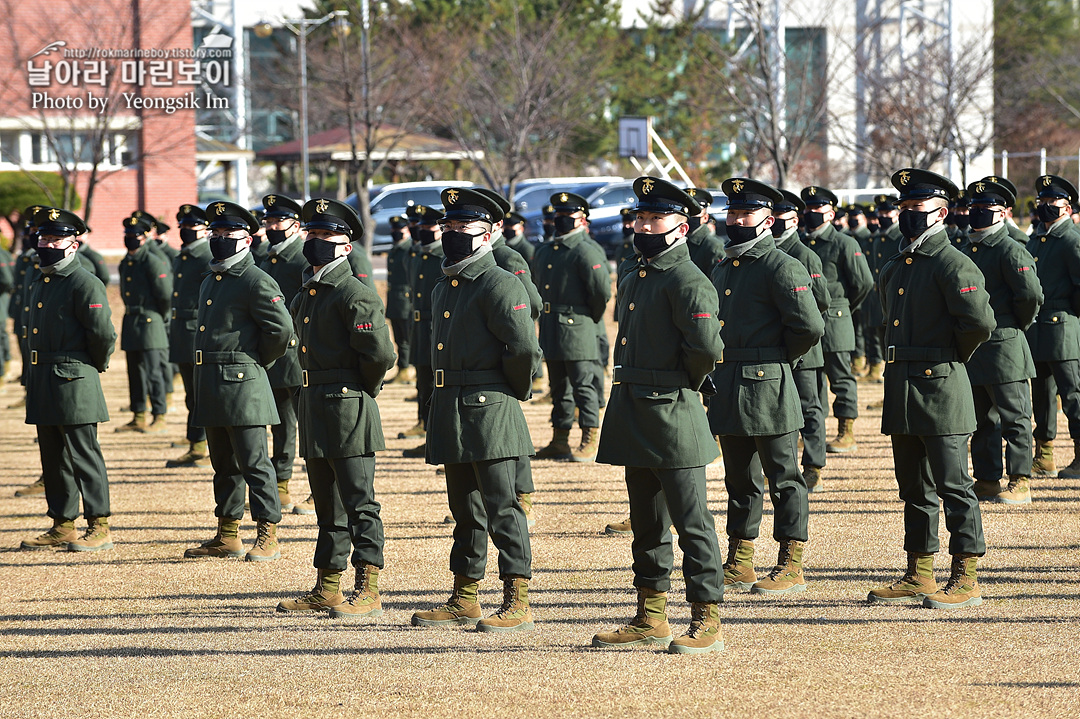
421 277
928 372
128 279
439 346
311 292
35 330
735 263
239 375
556 247
424 257
344 390
907 261
641 274
303 348
273 261
760 373
549 267
727 292
47 280
202 328
39 305
547 287
974 248
623 341
900 291
217 277
1044 239
896 323
631 306
209 302
306 320
570 321
149 320
417 294
446 314
453 283
126 294
130 263
175 294
481 398
813 242
179 275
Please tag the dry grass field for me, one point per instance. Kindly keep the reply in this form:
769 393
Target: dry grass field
141 632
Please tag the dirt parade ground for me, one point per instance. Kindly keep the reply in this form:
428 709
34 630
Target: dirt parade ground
141 632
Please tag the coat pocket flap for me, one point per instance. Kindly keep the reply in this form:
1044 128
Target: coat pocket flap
343 391
238 372
655 394
929 369
481 398
70 370
762 371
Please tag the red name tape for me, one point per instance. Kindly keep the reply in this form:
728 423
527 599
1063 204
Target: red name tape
967 289
701 315
596 267
520 307
95 307
800 289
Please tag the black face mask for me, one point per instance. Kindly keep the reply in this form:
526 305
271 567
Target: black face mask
188 235
396 235
738 234
132 242
549 231
693 223
628 231
510 234
779 228
426 237
980 217
564 225
222 248
913 223
1048 214
962 221
814 220
256 240
650 245
885 222
320 252
457 245
50 255
276 237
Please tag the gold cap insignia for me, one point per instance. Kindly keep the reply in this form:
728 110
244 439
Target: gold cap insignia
979 187
186 209
451 196
737 185
270 199
812 191
1047 180
692 192
564 197
992 178
322 206
133 221
905 176
647 185
54 214
35 209
219 208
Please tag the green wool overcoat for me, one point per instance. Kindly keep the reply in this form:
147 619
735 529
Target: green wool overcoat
574 281
286 267
191 265
849 280
815 358
706 249
146 289
1055 335
398 299
426 268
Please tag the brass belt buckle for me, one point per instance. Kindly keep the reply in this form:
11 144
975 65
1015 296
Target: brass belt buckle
547 308
174 313
614 374
890 354
440 378
198 357
416 315
33 357
304 376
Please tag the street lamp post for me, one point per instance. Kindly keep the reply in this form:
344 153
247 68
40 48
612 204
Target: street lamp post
301 27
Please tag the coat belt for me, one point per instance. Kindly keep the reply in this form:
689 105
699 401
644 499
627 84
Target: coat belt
58 357
754 354
550 307
921 354
206 357
310 378
655 378
461 377
184 314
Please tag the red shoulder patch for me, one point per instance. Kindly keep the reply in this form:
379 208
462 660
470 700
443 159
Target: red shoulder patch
701 315
364 326
519 272
520 307
1022 269
161 277
276 299
815 277
967 289
95 307
799 289
596 267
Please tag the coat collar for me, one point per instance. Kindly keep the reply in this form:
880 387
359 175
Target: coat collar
698 236
761 248
474 269
570 240
239 267
666 260
332 275
933 244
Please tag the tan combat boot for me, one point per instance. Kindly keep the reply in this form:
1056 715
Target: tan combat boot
58 537
586 451
407 375
137 423
30 490
787 576
96 538
875 374
987 488
156 427
1044 466
845 438
364 602
525 500
416 452
962 590
703 635
226 543
325 594
858 366
814 482
1072 471
514 615
559 448
417 430
619 528
266 547
649 625
739 567
196 456
305 507
1017 492
461 609
283 495
916 584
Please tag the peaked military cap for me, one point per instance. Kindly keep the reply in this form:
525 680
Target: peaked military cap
1054 186
503 204
190 215
326 214
855 209
961 199
815 196
1004 182
161 227
790 202
987 192
410 213
61 223
137 225
427 215
231 215
397 222
656 195
885 203
282 207
468 204
513 218
702 197
746 194
627 214
548 211
27 216
569 202
916 184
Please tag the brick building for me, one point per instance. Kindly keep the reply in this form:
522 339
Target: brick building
64 59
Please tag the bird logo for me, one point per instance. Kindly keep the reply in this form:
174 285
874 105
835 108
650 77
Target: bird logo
54 214
905 176
451 196
270 200
737 185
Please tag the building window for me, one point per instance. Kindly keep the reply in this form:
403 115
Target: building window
9 147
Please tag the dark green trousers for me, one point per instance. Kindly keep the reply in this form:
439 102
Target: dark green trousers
601 365
524 481
860 340
283 434
187 375
425 385
1051 380
1003 413
348 515
744 460
660 498
573 384
932 471
240 460
843 386
483 500
402 330
146 379
72 466
811 386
